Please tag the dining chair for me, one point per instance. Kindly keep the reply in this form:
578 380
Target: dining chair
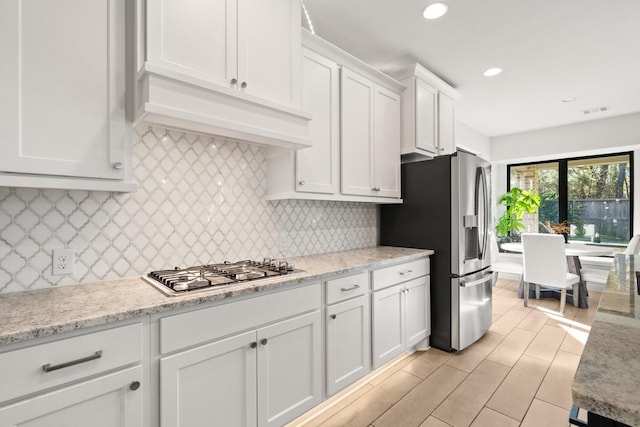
498 266
545 263
600 276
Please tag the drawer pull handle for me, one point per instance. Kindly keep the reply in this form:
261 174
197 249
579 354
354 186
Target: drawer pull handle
48 367
402 273
134 385
333 316
350 289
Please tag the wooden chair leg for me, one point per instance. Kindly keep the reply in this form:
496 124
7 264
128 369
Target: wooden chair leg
537 291
563 300
526 294
576 294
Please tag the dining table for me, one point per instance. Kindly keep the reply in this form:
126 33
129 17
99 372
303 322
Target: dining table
573 251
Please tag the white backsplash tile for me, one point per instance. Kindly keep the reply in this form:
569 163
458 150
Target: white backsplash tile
199 200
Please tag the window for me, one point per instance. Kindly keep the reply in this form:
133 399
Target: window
592 194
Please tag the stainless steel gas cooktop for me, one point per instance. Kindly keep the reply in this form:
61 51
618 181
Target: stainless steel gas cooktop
204 277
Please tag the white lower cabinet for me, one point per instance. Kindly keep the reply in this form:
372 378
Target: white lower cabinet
265 376
210 385
400 316
348 343
109 401
93 379
289 375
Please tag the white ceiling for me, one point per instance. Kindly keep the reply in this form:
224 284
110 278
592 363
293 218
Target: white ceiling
549 50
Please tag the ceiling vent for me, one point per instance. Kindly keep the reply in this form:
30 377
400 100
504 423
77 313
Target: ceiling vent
597 109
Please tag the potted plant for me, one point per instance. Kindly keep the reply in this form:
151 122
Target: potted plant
517 201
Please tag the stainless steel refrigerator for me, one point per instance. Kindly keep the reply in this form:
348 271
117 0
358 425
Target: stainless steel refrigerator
446 208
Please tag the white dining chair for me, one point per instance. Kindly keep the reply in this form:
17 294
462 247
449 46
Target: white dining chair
600 276
498 266
545 263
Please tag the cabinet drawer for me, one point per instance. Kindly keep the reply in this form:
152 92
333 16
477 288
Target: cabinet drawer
23 371
347 287
199 326
400 273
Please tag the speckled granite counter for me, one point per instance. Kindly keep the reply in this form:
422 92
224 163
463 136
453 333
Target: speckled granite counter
33 314
608 376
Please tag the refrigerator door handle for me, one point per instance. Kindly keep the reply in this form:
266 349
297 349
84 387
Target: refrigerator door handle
481 186
485 232
475 282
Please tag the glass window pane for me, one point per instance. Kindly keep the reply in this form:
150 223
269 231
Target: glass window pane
599 205
542 179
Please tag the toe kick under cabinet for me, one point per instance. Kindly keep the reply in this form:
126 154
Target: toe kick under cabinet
400 309
253 362
93 379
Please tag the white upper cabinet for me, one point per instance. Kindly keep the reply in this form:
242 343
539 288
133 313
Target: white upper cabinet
317 167
386 147
355 132
446 124
224 67
62 110
207 51
370 137
428 114
230 43
425 111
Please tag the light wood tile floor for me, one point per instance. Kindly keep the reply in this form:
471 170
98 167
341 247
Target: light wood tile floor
518 374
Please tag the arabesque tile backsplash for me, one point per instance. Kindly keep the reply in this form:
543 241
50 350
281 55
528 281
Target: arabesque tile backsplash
200 199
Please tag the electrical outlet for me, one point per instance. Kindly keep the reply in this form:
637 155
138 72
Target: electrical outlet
63 260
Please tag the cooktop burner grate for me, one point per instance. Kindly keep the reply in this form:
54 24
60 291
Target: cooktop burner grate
202 277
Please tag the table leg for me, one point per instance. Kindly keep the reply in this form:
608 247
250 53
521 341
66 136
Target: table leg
574 267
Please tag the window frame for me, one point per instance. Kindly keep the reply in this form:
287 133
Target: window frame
563 184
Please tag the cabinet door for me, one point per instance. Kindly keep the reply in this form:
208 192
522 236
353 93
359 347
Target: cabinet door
386 146
270 50
348 348
289 372
62 103
417 316
426 117
211 385
317 166
388 324
195 38
106 401
356 113
446 124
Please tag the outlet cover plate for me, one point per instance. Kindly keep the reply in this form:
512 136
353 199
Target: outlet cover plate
63 260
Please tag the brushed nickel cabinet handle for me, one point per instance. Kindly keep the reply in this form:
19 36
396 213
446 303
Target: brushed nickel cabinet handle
118 165
253 344
301 182
243 85
333 316
234 82
49 367
402 273
134 385
263 341
350 289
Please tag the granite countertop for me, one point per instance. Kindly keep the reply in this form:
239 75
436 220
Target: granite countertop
33 314
607 379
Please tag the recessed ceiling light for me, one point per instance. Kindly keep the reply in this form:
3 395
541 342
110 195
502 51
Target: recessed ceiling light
435 10
492 72
570 99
